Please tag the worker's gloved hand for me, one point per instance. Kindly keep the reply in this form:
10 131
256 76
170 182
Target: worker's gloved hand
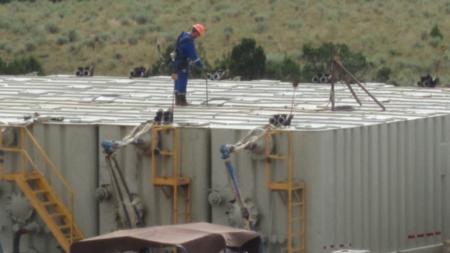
174 76
199 65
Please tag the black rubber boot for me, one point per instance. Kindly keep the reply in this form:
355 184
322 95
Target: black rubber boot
178 99
183 100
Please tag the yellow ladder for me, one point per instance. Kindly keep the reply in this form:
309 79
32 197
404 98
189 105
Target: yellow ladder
170 177
52 210
295 190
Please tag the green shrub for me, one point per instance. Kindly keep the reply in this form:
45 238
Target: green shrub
62 40
162 66
52 28
435 42
317 59
6 46
247 60
5 24
383 74
141 18
436 32
221 64
285 70
73 36
21 66
154 28
124 21
218 8
133 40
2 65
90 43
140 32
102 37
30 46
261 27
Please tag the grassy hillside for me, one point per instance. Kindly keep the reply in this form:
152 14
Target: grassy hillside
118 35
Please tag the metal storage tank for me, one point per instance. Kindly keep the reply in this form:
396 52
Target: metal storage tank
70 118
379 187
374 180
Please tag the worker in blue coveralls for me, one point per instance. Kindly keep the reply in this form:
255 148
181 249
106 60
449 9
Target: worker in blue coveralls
184 54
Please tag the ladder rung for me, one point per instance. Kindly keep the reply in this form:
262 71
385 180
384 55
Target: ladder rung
278 186
284 185
32 177
171 181
57 215
74 235
48 203
76 238
275 132
166 153
40 191
297 250
297 204
277 157
64 227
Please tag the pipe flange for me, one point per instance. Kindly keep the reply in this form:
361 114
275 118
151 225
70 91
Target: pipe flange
19 209
215 198
103 193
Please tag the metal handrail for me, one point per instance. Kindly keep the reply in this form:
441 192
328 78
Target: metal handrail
53 167
56 172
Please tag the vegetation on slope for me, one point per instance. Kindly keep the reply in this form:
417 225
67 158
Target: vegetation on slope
403 38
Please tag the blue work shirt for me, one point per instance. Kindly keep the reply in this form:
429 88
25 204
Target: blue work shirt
185 53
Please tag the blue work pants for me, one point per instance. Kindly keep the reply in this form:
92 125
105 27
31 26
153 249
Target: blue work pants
181 82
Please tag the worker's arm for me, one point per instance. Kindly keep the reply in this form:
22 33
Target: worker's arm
192 54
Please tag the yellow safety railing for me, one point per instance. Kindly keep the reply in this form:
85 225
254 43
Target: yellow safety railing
23 135
295 189
172 178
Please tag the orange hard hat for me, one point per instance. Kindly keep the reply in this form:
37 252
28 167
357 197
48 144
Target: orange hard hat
199 28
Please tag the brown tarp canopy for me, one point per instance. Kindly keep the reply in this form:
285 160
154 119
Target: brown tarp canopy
192 238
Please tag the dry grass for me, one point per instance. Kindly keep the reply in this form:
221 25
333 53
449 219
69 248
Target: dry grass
121 34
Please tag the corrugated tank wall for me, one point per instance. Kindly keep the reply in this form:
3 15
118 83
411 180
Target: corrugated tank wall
444 165
381 187
378 187
76 151
136 168
270 207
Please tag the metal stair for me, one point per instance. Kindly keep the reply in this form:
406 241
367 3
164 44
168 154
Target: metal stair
292 191
49 207
29 178
169 177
